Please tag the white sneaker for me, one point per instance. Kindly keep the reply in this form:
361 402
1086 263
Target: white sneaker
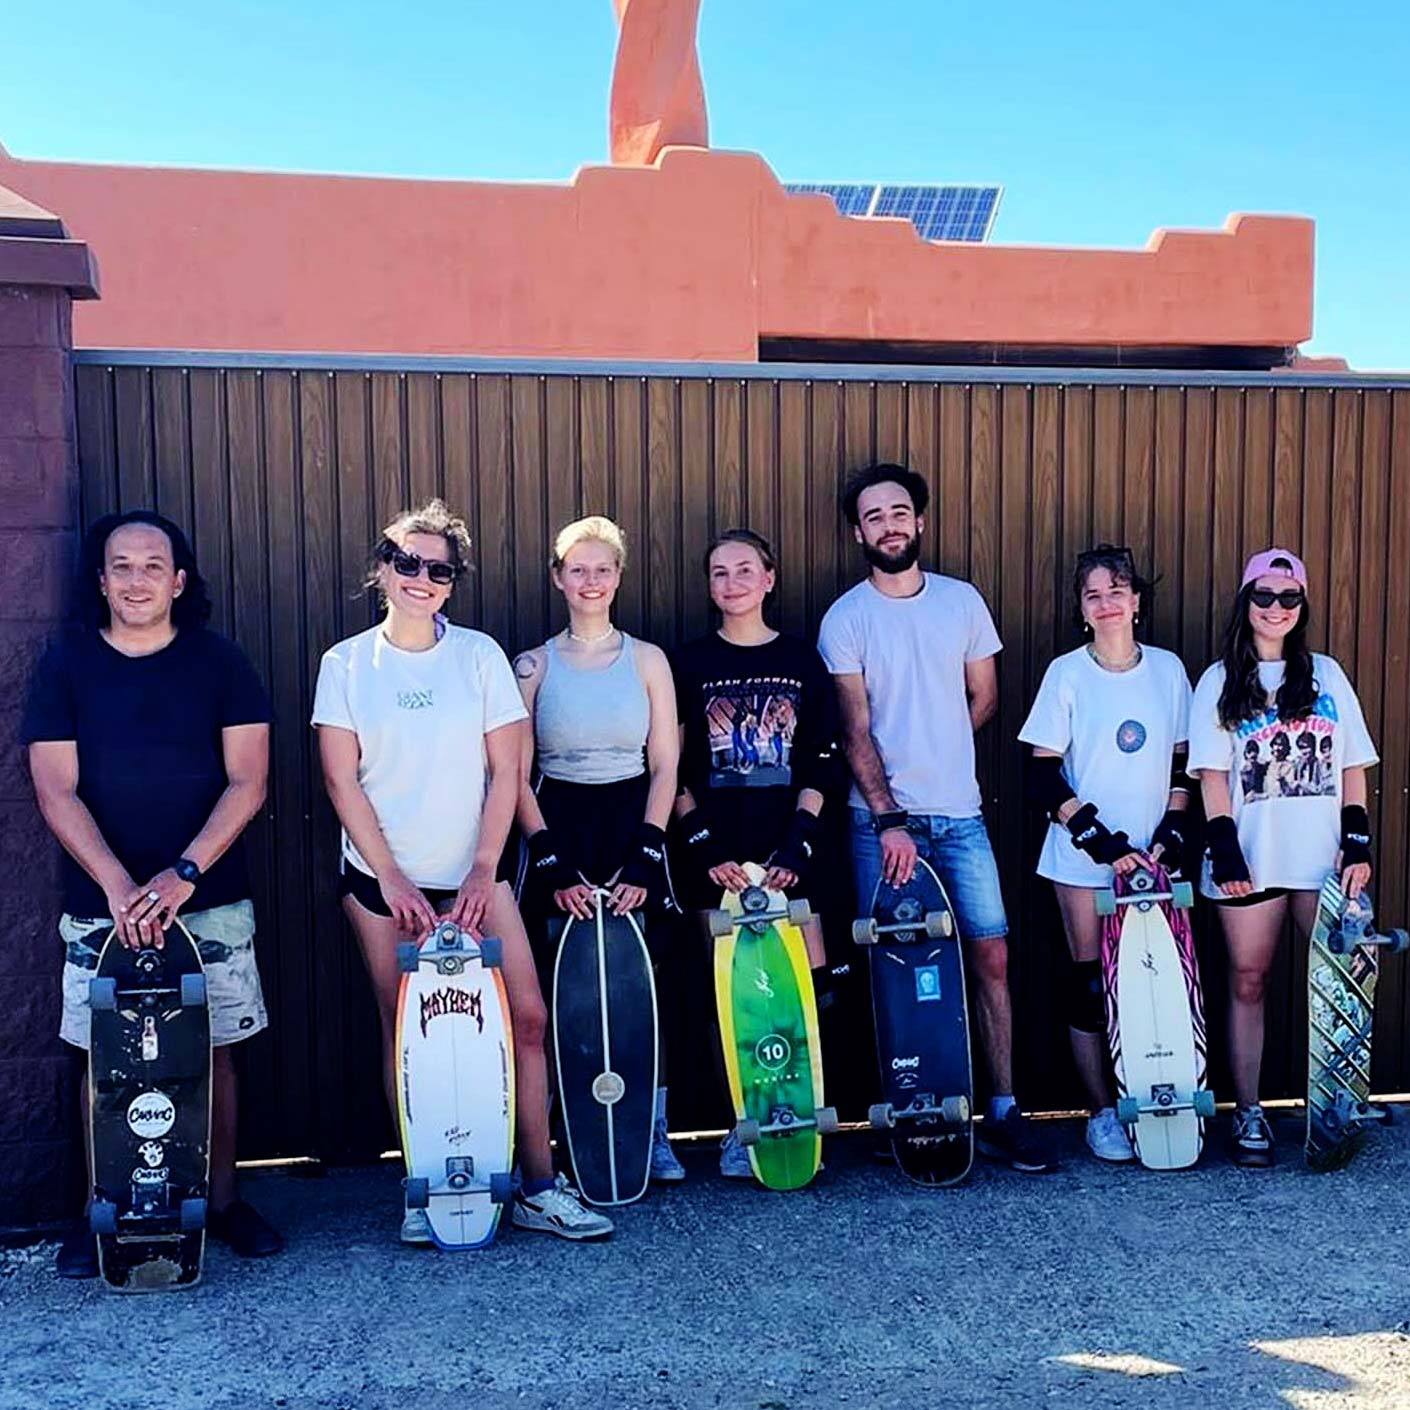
415 1227
560 1210
1107 1138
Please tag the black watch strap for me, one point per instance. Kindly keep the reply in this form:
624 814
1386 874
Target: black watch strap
187 870
884 822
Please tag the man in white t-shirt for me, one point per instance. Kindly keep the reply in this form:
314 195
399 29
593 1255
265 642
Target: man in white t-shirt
912 656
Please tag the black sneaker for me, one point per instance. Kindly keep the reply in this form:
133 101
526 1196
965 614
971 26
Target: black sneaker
1013 1140
245 1231
78 1254
1251 1139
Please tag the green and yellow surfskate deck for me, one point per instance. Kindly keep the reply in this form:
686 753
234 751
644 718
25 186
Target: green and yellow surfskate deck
769 1033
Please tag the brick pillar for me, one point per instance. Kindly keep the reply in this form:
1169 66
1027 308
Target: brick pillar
41 273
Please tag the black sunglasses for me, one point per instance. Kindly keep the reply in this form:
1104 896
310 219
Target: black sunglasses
1287 599
409 565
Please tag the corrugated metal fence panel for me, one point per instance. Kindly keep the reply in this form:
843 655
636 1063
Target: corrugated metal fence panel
284 475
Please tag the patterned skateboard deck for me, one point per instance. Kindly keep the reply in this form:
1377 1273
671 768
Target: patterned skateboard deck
922 1028
149 1072
455 1084
1342 967
604 1043
1155 1017
769 1032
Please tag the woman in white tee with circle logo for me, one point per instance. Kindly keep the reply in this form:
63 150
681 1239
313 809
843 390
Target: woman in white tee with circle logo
1281 749
421 734
1108 730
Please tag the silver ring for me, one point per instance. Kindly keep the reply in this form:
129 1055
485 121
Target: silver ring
154 896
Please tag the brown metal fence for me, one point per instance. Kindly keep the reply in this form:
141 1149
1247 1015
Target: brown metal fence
283 471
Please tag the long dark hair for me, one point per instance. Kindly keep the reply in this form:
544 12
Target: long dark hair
191 609
1243 696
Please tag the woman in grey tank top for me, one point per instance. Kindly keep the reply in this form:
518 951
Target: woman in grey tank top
594 803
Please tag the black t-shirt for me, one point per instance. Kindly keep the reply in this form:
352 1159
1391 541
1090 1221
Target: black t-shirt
150 760
760 726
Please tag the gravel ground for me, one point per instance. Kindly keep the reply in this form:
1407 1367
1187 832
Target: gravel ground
1094 1286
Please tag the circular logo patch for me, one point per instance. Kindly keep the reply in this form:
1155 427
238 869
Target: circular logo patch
1130 736
151 1115
607 1088
773 1052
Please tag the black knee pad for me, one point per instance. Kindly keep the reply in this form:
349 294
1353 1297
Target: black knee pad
1085 1009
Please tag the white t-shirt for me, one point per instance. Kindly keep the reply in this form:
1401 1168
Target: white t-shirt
421 718
1284 779
912 652
1116 731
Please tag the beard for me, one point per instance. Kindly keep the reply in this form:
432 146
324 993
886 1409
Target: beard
893 562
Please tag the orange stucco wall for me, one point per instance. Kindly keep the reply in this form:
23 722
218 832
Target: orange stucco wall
696 257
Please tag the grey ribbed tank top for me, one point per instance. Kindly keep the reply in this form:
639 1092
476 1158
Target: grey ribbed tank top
591 726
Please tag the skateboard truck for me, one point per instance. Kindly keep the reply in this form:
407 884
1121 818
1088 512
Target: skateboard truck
1351 935
782 1120
459 1179
1164 1101
951 1111
756 913
1143 894
935 925
1346 1111
452 950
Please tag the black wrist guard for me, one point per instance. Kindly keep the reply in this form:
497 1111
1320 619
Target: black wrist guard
646 867
1355 835
702 846
1226 858
1093 837
547 870
884 822
1169 836
796 853
1047 789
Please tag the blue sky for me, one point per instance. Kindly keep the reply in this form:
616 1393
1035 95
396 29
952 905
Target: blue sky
1101 120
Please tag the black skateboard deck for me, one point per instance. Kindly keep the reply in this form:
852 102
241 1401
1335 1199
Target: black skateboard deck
922 1028
604 1044
149 1069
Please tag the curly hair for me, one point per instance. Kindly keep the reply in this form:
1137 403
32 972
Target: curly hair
191 608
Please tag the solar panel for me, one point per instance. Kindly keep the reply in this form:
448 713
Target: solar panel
937 212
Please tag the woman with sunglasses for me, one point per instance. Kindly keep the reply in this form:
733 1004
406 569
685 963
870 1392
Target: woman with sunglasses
420 734
605 752
1108 731
1269 850
759 750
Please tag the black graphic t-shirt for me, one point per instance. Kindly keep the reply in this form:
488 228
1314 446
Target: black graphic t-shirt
760 726
151 762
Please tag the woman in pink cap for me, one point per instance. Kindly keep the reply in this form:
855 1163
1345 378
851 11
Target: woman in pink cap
1270 849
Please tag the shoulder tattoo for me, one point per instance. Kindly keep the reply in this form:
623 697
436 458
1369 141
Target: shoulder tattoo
525 666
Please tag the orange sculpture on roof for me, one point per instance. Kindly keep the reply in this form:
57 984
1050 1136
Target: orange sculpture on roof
658 98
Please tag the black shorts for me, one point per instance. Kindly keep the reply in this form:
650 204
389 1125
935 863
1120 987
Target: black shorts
356 883
1270 893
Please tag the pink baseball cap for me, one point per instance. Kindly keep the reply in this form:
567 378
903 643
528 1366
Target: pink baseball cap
1280 561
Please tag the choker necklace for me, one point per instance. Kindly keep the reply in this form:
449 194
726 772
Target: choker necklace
1129 664
591 640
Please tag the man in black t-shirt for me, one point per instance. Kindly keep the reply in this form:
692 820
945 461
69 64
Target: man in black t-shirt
148 744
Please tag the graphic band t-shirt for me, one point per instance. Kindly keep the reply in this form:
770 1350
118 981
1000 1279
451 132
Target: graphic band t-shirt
1116 731
760 726
1284 776
912 652
421 718
151 760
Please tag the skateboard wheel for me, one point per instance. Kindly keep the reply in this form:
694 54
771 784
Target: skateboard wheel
102 994
193 1215
1106 901
1204 1104
408 956
418 1192
1182 894
746 1132
882 1116
864 932
954 1111
799 912
939 925
102 1216
721 923
193 990
1128 1110
1398 941
826 1119
501 1187
491 952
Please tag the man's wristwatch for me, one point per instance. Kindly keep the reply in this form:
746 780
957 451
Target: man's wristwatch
187 870
884 822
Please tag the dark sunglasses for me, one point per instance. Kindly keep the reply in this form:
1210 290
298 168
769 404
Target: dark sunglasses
1287 599
409 565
